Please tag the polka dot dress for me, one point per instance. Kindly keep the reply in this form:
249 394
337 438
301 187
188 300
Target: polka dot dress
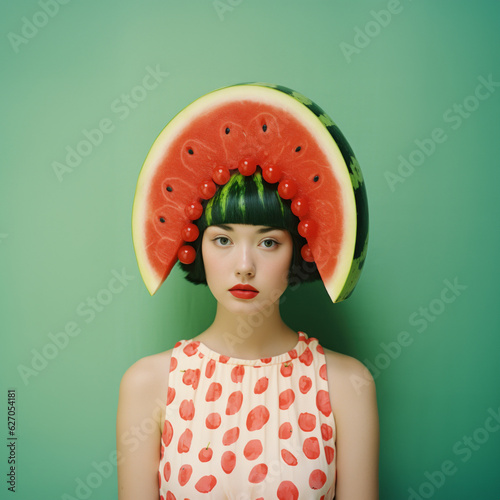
248 429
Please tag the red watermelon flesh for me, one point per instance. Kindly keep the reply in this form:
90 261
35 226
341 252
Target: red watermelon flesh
268 127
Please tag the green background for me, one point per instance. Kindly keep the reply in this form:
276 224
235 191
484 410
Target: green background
62 237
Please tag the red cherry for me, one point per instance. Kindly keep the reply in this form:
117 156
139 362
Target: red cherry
184 474
286 398
220 175
306 253
228 461
285 430
194 210
306 228
271 174
207 189
190 232
300 207
246 166
186 254
205 454
287 189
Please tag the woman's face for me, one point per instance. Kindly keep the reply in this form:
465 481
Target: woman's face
241 254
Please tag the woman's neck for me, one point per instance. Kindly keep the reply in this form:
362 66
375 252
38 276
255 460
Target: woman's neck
252 336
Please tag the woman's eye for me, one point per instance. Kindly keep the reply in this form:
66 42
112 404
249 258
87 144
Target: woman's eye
222 240
269 243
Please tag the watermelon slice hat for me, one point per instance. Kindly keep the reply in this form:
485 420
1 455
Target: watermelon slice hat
241 127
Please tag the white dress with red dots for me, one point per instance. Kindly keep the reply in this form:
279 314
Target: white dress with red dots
248 429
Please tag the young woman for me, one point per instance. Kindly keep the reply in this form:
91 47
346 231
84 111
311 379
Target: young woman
254 409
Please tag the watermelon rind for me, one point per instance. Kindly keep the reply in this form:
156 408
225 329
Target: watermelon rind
328 137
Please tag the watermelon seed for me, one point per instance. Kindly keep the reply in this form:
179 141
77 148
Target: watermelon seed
264 127
169 189
228 130
297 149
162 220
190 151
316 178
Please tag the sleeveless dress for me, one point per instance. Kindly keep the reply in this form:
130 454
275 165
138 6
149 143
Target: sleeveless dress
248 429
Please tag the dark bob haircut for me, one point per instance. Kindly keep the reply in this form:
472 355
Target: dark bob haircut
250 200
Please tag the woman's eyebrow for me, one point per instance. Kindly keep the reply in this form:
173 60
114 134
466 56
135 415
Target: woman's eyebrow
260 231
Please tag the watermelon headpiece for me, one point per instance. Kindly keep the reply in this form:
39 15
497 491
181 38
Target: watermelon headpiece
246 126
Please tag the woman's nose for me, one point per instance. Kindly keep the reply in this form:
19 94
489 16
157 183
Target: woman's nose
245 265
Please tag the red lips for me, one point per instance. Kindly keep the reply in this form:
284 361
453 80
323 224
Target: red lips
244 287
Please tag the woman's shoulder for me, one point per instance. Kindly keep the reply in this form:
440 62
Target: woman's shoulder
349 380
148 373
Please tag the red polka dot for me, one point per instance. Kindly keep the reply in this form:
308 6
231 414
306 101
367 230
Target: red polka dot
320 349
209 370
289 458
309 340
293 353
170 496
213 420
305 384
191 377
231 436
286 369
322 372
258 474
186 409
173 363
184 474
317 479
306 357
323 403
213 392
185 441
224 359
252 449
237 373
191 348
167 470
329 453
261 385
168 432
178 343
257 418
228 461
307 421
285 430
326 432
266 360
287 491
286 398
206 484
234 402
311 448
170 395
205 454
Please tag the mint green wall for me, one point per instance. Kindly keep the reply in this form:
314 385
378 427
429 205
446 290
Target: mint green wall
432 264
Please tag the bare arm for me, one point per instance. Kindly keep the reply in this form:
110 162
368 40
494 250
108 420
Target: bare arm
354 404
138 430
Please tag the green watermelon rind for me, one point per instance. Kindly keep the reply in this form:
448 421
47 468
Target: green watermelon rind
177 123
